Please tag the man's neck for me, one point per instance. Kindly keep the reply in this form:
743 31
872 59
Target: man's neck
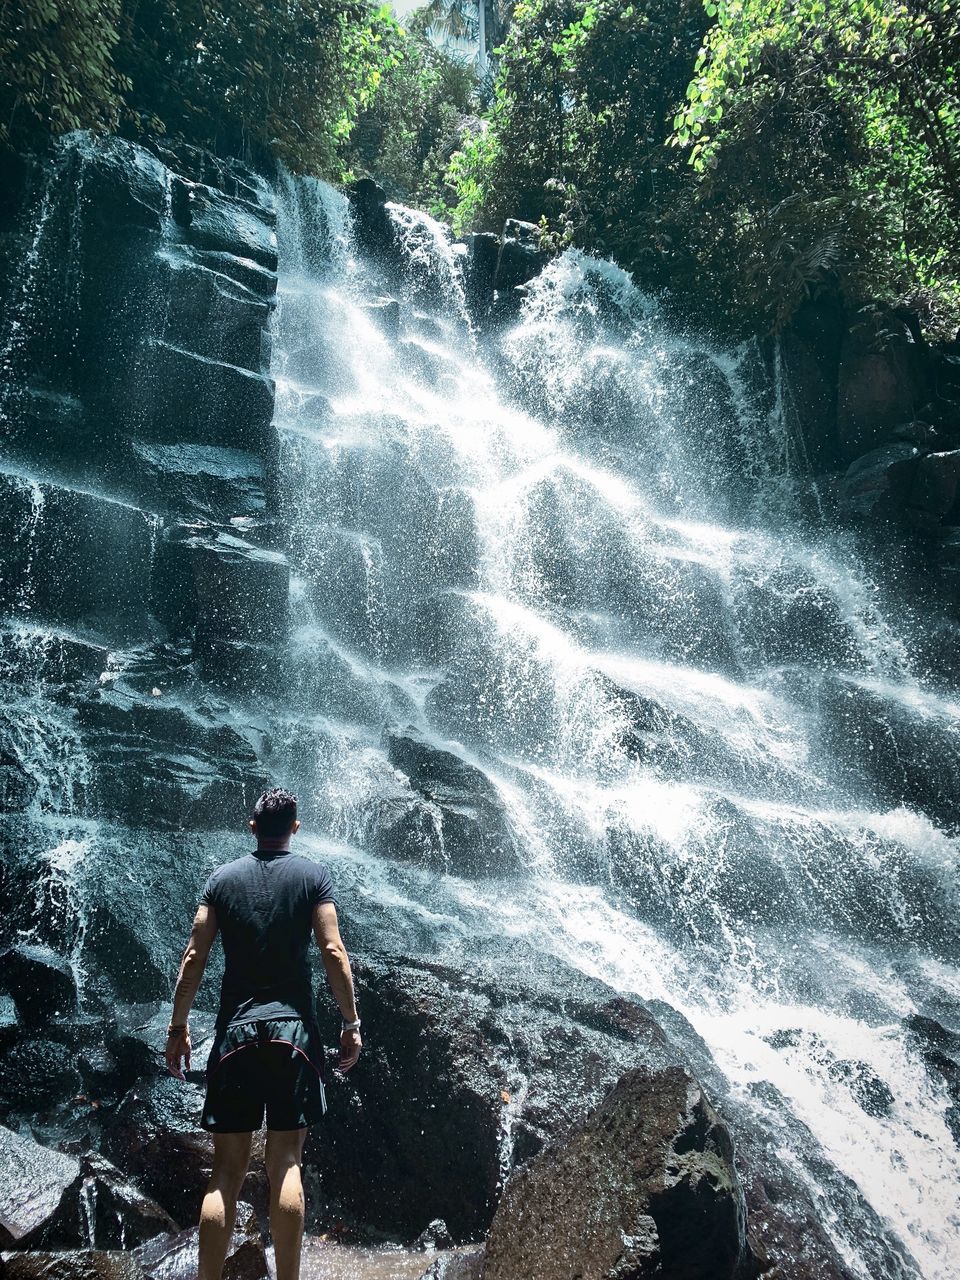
273 844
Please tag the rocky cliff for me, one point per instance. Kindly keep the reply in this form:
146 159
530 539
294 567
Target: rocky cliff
875 407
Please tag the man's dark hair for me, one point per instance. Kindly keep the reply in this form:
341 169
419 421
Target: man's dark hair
275 812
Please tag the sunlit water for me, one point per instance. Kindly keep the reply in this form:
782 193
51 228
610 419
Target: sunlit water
568 553
541 547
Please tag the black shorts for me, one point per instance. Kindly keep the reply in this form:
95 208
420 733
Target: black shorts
258 1067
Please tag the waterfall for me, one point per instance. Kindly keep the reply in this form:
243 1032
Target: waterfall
559 552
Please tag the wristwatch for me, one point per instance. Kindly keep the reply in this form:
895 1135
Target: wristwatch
351 1026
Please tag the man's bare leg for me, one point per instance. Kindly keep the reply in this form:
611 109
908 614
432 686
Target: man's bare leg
283 1154
231 1155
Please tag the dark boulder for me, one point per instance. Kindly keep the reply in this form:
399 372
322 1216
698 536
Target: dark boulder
78 1264
900 482
786 615
216 316
466 1070
909 754
461 826
415 1128
645 1186
141 1033
124 186
225 223
103 1211
100 1072
74 557
939 1050
36 1185
218 585
934 483
483 250
519 260
185 397
385 314
165 765
810 351
155 1137
41 982
877 484
373 228
883 379
50 1200
38 1073
174 1257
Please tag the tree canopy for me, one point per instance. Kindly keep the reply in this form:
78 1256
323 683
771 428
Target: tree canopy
293 77
741 153
736 155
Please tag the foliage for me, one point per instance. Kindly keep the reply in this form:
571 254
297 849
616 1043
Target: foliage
742 155
837 129
583 108
237 75
413 121
58 69
286 74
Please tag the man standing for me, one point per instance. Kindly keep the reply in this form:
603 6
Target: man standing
267 1055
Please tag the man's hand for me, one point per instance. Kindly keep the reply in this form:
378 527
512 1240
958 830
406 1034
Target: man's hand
350 1046
188 980
177 1051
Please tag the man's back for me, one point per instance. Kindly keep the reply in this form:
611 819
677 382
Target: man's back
266 1060
264 903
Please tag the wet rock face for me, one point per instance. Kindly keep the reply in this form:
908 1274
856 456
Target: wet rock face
138 393
51 1200
909 754
137 551
155 1136
38 1073
877 484
78 1264
810 349
33 1183
883 379
455 819
644 1187
940 1051
466 1072
41 983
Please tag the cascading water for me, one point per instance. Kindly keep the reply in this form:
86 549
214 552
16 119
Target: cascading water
559 553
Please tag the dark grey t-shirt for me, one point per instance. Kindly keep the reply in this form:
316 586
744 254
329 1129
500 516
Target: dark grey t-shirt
264 904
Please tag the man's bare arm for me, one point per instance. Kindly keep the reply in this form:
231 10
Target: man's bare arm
336 963
192 966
